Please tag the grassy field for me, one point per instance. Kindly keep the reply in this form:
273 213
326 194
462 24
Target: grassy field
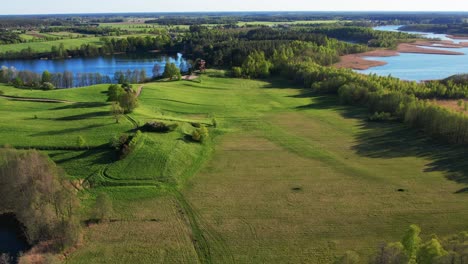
268 23
133 27
286 177
45 46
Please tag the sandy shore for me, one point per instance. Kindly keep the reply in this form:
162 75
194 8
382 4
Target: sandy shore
457 37
358 61
418 48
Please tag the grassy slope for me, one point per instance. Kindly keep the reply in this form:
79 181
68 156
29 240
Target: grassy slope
292 178
33 124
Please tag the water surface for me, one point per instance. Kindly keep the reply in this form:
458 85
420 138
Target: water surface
420 67
105 65
11 240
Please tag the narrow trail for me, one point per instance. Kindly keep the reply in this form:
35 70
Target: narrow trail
38 100
139 90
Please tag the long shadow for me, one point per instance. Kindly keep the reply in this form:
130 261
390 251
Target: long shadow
101 155
66 130
176 101
80 105
203 87
393 139
83 116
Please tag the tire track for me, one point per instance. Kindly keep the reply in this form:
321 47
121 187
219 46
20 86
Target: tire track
206 243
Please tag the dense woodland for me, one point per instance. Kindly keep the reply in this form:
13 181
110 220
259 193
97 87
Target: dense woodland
455 29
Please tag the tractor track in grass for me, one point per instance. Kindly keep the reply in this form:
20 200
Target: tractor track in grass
132 120
206 242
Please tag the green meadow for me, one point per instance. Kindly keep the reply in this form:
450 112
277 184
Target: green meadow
285 176
45 46
272 23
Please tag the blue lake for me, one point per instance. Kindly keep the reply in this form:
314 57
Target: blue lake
420 67
105 65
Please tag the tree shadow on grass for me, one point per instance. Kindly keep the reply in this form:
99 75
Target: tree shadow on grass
395 139
83 116
67 130
80 105
101 155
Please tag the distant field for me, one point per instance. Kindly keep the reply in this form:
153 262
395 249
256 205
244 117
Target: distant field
137 27
286 177
267 23
45 46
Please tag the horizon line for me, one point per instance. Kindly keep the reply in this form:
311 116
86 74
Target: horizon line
237 11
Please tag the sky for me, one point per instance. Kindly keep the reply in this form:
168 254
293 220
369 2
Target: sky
126 6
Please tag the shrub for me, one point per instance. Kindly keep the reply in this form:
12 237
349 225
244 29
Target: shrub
236 72
200 134
124 144
195 124
117 142
18 82
380 116
47 86
158 127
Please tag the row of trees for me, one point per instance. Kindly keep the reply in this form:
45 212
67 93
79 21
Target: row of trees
129 76
413 249
48 80
110 45
386 96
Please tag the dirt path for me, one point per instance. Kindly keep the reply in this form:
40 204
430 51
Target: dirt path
139 90
39 100
189 77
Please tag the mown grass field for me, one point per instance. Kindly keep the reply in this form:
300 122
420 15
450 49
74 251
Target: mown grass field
45 46
269 23
286 177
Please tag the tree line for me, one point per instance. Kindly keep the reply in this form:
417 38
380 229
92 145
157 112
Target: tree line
413 249
230 47
386 96
49 81
110 45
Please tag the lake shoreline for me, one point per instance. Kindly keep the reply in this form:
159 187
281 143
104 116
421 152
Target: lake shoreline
359 62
